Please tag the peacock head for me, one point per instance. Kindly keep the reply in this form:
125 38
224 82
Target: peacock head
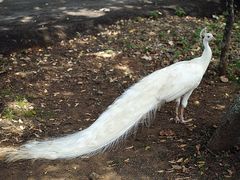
205 35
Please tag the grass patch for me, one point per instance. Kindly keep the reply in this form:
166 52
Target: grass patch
20 108
154 14
8 114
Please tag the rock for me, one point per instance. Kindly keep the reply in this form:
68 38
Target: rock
94 176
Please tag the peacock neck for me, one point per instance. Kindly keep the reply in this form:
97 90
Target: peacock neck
206 55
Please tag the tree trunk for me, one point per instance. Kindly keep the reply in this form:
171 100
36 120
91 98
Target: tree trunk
226 37
228 134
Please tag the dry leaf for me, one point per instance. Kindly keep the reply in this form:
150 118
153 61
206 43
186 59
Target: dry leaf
148 58
224 79
182 145
198 146
127 160
170 43
167 132
147 147
176 167
179 160
130 147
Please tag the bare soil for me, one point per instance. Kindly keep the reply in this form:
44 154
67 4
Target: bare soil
72 82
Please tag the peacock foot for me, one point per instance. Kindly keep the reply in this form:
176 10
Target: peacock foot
183 121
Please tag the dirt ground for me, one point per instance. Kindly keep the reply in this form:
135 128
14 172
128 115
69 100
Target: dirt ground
72 82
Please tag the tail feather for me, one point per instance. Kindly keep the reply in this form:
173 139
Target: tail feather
139 103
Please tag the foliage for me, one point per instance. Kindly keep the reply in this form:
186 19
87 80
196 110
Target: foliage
154 14
180 12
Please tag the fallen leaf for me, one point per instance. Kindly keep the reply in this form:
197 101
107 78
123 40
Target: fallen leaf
170 43
230 172
130 147
167 132
163 140
176 167
147 148
179 160
184 169
198 146
224 79
148 58
182 145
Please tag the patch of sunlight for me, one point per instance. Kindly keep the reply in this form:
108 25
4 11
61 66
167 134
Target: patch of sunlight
126 70
106 54
26 19
62 8
85 12
129 6
111 33
4 28
59 27
114 7
37 8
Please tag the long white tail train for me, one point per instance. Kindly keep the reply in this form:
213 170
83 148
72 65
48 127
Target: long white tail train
138 103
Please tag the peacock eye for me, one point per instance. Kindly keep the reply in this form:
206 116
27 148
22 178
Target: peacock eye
208 36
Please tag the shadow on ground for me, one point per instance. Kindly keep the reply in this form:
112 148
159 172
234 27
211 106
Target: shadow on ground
40 22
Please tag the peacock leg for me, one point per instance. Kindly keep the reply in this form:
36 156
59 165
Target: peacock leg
182 115
184 103
177 119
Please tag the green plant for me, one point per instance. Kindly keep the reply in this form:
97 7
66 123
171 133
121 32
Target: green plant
234 71
29 113
154 14
130 45
8 113
147 49
180 12
185 44
161 34
18 109
196 36
176 55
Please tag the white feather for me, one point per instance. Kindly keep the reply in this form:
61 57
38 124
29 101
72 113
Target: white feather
139 102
